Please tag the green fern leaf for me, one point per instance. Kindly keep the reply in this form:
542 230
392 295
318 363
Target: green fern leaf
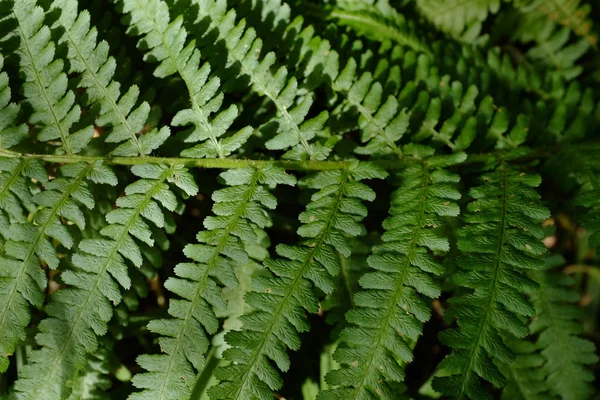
370 21
91 59
500 242
240 211
555 365
10 133
94 381
27 245
558 327
166 42
280 299
244 48
80 313
456 16
45 89
525 379
586 169
379 339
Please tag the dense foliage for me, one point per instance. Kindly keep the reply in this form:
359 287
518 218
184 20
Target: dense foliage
248 199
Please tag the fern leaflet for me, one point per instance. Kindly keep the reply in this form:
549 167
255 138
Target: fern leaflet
500 242
280 299
80 313
240 212
27 245
92 61
166 43
45 88
389 312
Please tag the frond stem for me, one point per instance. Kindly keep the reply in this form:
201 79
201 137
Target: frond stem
230 163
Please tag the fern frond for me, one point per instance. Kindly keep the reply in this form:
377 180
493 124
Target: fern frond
492 71
573 15
80 312
103 94
558 33
500 242
93 382
389 312
166 44
16 175
556 364
456 16
525 379
240 211
45 87
557 325
270 18
369 20
282 298
27 245
15 191
585 168
243 46
380 118
567 112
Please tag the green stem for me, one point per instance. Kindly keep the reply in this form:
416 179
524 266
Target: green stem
229 163
212 362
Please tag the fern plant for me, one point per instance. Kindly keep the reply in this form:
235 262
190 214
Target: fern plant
242 199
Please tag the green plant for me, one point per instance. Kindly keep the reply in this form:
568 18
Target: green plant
184 207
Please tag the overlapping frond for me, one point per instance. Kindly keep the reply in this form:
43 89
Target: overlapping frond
240 213
94 381
79 313
165 41
500 242
92 60
389 311
373 20
45 88
567 112
585 168
21 280
281 299
28 244
558 33
558 327
490 70
556 365
455 17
